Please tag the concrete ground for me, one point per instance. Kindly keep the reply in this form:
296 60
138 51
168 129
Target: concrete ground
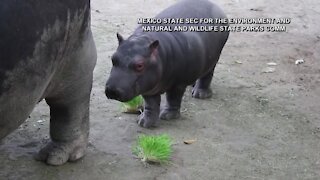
256 126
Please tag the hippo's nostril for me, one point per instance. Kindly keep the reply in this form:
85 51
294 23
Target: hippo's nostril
112 93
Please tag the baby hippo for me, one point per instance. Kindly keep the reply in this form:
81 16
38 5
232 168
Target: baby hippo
152 63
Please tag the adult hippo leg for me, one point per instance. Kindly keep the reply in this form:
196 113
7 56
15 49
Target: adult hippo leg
150 116
69 109
69 129
174 98
201 89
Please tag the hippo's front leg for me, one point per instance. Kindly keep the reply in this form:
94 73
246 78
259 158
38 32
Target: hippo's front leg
69 97
69 130
150 115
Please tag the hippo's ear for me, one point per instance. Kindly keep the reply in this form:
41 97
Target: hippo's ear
154 45
120 38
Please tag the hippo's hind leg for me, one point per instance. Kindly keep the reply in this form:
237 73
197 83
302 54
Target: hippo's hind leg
172 108
69 109
201 88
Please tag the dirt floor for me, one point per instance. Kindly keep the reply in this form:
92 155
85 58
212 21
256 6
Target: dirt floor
256 126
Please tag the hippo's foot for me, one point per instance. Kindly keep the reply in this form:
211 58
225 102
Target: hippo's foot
167 114
57 153
201 93
147 122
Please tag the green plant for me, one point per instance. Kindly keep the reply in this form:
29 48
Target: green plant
153 149
132 106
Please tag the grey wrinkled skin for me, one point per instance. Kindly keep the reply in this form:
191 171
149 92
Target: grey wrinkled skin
55 58
151 63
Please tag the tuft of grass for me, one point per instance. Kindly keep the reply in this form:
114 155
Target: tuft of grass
132 106
153 149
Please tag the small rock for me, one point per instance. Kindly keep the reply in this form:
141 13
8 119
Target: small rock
184 110
269 70
238 62
255 9
190 141
299 61
263 101
271 64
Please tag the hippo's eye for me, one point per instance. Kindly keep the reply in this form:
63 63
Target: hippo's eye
139 66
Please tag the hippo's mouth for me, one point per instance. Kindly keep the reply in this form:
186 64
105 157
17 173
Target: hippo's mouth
119 94
122 89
